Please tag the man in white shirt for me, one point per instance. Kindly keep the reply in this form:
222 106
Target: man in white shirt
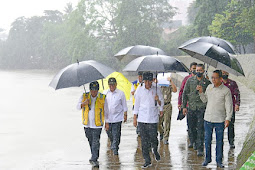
117 107
93 107
148 116
218 114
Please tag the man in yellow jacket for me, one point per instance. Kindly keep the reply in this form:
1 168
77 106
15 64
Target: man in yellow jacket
93 108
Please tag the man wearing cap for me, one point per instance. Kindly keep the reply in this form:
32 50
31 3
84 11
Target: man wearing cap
93 108
235 93
148 116
135 85
117 107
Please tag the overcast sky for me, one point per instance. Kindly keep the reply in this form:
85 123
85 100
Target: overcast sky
12 9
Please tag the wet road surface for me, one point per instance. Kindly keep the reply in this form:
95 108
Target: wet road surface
41 129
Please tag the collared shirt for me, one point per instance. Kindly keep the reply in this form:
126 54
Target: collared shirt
231 84
91 121
182 88
117 105
191 95
145 104
219 103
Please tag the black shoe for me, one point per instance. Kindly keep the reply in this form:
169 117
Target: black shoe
194 146
205 163
190 145
161 137
232 146
146 165
94 163
200 153
115 152
220 165
157 156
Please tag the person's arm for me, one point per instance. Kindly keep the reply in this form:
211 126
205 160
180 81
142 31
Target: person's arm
136 109
132 89
174 89
228 107
237 96
203 95
185 93
79 106
180 93
161 99
124 104
106 114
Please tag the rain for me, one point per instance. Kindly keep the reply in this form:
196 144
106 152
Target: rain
50 52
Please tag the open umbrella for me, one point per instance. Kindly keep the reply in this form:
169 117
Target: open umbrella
156 63
214 56
137 51
212 40
122 84
80 73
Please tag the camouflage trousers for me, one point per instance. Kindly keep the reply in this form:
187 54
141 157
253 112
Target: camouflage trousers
164 123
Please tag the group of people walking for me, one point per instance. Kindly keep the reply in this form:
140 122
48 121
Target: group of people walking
207 106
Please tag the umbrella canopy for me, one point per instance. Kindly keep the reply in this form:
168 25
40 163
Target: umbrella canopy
80 73
214 56
137 51
156 63
212 40
122 84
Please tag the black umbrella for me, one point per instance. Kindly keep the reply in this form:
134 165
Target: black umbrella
137 51
156 63
80 73
214 56
212 40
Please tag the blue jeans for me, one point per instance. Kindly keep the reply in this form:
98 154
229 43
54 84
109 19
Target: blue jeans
149 138
114 134
219 129
93 135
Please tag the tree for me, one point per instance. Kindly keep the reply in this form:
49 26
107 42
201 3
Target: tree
206 13
228 26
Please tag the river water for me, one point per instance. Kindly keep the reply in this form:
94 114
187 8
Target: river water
40 128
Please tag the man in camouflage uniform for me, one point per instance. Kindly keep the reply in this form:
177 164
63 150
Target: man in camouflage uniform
196 110
165 120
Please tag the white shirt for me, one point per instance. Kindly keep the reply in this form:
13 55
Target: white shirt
145 104
91 121
117 105
219 103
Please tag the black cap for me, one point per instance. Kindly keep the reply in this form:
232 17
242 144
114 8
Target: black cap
94 85
148 76
140 73
112 80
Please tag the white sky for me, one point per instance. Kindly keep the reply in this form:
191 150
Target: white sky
12 9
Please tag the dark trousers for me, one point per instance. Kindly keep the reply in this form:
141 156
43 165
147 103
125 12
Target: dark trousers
93 135
219 130
196 127
114 134
149 138
231 130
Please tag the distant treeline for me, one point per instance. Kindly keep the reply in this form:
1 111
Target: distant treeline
97 29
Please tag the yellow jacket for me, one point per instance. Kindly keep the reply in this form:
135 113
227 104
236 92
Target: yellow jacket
99 109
